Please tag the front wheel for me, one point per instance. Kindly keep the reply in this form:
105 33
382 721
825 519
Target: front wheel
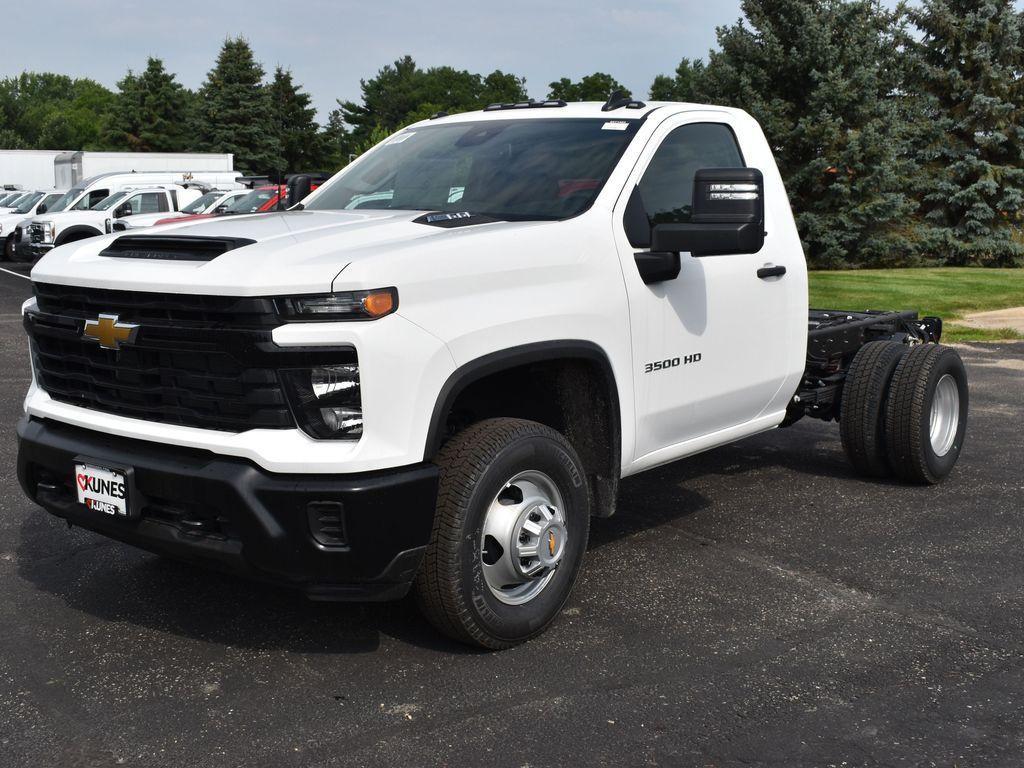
511 527
9 247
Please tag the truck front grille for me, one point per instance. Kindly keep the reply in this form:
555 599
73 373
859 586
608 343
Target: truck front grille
35 233
199 361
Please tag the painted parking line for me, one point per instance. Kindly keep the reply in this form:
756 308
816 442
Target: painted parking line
16 274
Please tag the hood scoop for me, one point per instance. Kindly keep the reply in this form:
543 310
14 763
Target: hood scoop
172 248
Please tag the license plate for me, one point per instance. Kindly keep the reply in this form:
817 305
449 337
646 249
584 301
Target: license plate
102 490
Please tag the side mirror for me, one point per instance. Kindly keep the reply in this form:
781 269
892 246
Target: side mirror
220 208
40 209
125 209
298 187
727 217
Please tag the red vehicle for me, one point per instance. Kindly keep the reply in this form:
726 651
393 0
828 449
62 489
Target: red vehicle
261 200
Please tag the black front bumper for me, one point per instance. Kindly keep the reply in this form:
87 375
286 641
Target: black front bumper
26 251
227 512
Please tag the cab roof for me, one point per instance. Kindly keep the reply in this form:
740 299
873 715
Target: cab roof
633 110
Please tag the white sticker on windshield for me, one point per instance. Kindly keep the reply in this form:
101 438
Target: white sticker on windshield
399 138
615 125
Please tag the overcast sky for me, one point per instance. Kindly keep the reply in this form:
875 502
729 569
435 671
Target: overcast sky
329 45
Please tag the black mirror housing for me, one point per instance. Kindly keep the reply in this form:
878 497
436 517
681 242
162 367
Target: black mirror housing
727 215
123 210
40 209
299 186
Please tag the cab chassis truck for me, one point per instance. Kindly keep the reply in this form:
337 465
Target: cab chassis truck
433 372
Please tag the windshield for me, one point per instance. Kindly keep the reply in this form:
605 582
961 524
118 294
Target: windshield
506 169
15 200
204 202
110 201
53 202
7 197
28 203
65 200
251 202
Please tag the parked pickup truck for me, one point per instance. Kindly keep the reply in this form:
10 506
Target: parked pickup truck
440 395
210 204
36 202
78 218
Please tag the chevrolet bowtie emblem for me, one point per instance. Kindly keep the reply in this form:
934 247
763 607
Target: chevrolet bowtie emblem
109 332
552 542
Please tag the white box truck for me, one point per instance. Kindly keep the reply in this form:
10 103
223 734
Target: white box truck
29 168
69 168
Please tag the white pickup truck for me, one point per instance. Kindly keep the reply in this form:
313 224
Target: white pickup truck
440 388
211 203
78 217
49 230
10 218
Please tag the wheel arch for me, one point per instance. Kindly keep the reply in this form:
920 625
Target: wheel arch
77 232
576 364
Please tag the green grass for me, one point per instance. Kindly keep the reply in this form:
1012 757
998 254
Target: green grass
948 292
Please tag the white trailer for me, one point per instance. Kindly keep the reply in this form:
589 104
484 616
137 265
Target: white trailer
28 168
72 167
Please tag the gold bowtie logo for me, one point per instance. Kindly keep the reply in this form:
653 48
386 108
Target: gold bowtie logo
110 334
552 542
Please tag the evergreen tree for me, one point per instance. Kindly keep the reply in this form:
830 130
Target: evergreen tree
685 85
151 113
595 87
967 66
337 141
821 77
303 147
234 112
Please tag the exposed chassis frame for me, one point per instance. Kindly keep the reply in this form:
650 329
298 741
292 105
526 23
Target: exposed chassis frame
833 339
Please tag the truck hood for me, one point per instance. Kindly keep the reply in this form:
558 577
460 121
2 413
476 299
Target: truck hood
293 252
9 220
65 219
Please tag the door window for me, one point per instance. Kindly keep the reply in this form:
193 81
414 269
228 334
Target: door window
90 199
148 202
667 185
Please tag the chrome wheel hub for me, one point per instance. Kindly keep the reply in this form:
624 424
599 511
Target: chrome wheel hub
945 415
524 537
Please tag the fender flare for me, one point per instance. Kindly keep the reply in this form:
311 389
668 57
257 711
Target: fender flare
78 229
474 370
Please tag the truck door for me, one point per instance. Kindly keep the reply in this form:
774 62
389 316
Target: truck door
711 347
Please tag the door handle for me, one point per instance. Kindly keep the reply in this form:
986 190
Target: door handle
766 272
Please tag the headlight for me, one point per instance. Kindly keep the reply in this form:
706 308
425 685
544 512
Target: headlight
49 231
348 305
326 400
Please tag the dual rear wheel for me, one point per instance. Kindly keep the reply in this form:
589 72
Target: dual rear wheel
904 411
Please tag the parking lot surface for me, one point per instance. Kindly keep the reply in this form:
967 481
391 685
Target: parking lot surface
756 605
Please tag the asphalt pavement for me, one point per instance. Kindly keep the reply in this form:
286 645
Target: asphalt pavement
756 605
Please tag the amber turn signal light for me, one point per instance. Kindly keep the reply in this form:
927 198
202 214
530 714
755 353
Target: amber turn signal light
379 303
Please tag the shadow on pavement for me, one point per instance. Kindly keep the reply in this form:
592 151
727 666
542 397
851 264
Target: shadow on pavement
118 583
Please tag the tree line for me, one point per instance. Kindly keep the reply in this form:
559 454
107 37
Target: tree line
899 133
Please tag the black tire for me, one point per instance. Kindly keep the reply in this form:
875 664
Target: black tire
9 248
862 413
909 409
475 466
